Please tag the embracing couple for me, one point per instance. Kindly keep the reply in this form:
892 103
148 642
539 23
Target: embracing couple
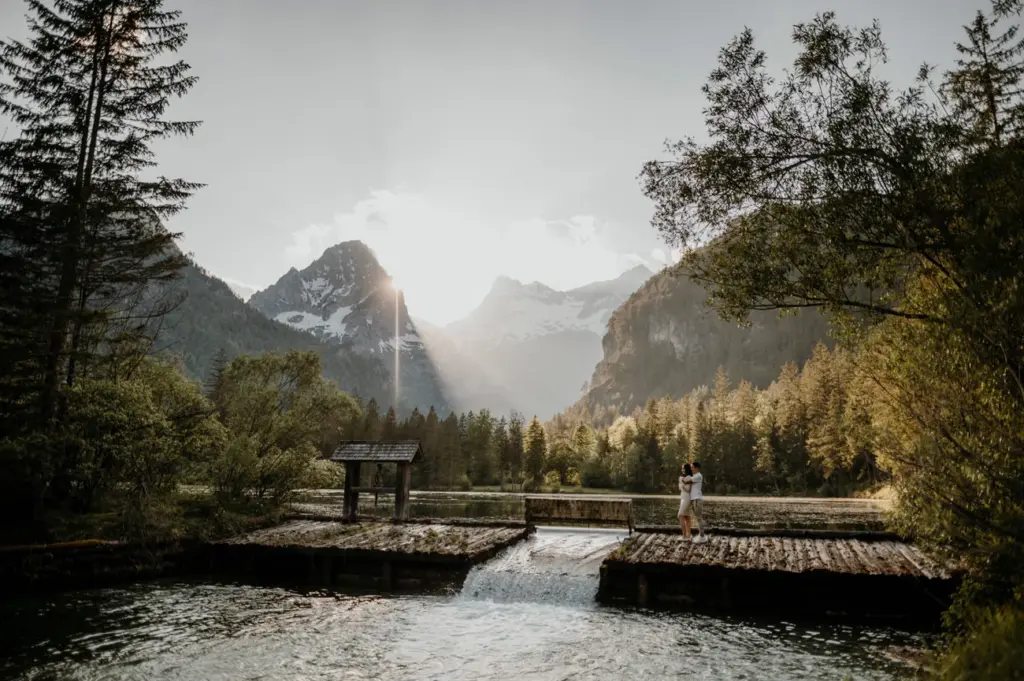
691 502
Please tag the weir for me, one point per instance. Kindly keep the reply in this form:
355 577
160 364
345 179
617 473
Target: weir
554 566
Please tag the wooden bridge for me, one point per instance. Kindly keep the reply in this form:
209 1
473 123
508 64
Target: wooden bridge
871 574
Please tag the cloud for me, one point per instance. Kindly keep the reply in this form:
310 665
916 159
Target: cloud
447 261
240 288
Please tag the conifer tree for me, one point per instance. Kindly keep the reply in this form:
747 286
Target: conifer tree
502 449
536 450
371 421
516 440
452 447
88 92
986 85
389 428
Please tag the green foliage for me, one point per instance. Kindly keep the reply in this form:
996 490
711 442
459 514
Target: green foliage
281 414
465 484
553 481
900 213
993 651
123 447
536 450
87 92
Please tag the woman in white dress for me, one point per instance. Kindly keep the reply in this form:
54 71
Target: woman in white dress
684 500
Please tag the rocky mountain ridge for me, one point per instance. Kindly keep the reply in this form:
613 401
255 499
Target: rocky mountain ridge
346 299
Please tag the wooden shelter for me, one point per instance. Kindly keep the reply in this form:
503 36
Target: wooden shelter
354 453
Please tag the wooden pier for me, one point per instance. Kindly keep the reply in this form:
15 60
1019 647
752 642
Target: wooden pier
853 574
381 555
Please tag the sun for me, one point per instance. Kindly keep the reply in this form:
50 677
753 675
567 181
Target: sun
396 286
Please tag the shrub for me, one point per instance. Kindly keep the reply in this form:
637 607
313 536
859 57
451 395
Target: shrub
553 481
994 650
465 484
324 474
572 477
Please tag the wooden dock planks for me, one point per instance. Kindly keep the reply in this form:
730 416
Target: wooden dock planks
786 554
441 540
857 574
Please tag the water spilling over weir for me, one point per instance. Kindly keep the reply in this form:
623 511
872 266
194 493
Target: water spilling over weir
554 566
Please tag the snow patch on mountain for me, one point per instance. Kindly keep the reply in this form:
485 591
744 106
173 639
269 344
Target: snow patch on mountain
514 311
345 298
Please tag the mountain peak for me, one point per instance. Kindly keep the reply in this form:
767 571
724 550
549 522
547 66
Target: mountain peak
506 284
352 246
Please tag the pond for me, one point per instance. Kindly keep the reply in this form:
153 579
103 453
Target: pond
527 614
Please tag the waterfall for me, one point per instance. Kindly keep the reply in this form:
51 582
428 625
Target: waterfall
556 566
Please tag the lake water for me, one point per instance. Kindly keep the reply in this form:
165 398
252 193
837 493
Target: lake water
527 614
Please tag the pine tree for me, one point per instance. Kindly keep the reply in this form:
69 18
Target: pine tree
88 92
452 448
502 449
536 450
215 374
389 428
371 421
516 446
986 86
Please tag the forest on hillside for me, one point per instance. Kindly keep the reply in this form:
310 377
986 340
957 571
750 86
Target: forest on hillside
808 433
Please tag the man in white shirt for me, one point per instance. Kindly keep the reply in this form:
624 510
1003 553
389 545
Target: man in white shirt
697 502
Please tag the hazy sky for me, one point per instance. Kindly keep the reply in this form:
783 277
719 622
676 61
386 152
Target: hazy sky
462 139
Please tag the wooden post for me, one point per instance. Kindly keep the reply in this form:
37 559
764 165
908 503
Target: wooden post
402 485
642 589
350 503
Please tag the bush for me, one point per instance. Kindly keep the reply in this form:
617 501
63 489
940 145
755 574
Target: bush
553 481
530 485
596 473
325 474
992 652
465 484
572 478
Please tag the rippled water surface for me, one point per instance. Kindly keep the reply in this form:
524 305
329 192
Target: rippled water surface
528 614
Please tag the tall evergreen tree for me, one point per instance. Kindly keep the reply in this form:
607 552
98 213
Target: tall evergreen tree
502 449
516 444
536 450
88 92
389 428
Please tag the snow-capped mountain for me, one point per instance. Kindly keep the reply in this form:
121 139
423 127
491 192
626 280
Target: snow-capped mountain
540 345
345 298
515 312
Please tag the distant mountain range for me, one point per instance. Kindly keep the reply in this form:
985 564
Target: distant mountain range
528 346
607 345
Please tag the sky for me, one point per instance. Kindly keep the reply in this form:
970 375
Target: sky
462 139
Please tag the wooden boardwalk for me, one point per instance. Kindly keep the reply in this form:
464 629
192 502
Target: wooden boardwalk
785 554
381 554
854 574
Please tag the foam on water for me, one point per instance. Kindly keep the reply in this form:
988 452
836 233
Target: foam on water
554 566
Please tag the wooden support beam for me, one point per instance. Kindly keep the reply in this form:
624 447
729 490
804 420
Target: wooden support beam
402 485
350 502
